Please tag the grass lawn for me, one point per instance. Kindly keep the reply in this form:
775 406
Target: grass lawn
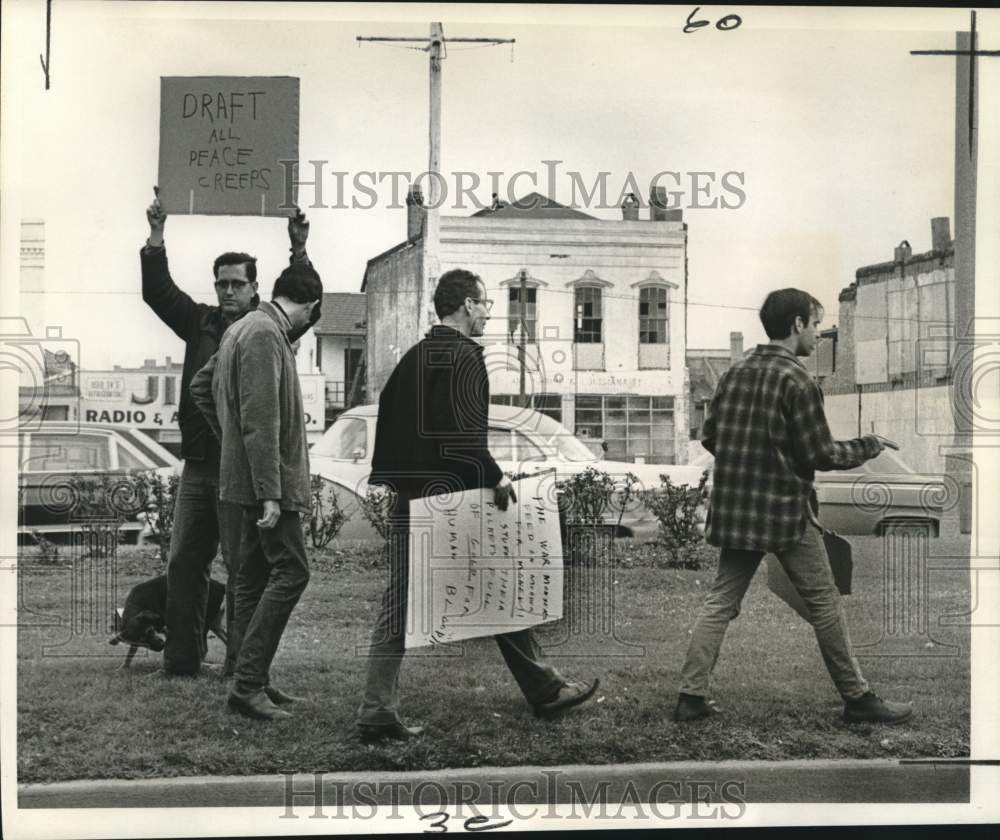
79 717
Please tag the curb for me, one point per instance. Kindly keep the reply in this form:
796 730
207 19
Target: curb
706 783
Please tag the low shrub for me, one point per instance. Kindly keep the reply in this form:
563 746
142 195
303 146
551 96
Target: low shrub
376 507
677 508
326 517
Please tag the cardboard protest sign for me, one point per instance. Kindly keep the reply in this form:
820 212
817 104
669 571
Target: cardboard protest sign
221 142
478 571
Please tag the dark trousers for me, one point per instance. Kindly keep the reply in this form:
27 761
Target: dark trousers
537 680
202 524
274 572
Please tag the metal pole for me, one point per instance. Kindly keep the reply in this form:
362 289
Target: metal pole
524 334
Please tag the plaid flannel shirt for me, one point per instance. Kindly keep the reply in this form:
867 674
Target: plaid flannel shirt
767 429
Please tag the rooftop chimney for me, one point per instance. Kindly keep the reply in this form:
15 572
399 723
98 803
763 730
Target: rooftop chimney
735 347
630 208
415 212
659 207
903 251
941 233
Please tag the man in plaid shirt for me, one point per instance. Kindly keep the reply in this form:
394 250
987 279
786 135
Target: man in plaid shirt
768 432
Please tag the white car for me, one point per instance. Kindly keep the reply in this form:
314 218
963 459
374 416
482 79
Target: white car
522 441
53 454
869 499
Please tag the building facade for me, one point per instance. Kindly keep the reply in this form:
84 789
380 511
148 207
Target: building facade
894 349
340 350
598 307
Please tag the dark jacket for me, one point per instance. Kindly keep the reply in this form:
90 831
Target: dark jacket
250 396
431 434
200 326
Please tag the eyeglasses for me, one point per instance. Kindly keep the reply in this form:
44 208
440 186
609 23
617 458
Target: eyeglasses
235 285
486 302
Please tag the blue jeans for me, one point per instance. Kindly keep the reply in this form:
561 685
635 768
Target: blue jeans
274 572
537 680
202 524
808 568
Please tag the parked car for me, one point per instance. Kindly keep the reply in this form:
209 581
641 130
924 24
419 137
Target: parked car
882 492
50 456
522 441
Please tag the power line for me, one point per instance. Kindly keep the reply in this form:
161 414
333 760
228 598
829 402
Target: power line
631 297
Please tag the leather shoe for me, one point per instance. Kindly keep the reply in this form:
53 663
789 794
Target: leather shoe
569 695
256 705
870 708
279 697
692 707
373 733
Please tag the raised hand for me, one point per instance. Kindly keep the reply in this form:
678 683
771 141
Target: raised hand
298 230
157 218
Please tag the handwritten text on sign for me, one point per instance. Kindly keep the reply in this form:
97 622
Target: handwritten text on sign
478 571
221 142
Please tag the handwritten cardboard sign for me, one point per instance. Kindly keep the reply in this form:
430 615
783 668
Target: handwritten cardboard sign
478 571
221 140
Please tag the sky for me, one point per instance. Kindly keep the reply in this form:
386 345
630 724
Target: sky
844 140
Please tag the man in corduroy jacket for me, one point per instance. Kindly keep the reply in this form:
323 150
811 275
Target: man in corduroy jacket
251 397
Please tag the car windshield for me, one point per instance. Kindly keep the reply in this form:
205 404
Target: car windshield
344 440
557 436
67 452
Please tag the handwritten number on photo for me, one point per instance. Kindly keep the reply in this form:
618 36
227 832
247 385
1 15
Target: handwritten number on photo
474 823
723 24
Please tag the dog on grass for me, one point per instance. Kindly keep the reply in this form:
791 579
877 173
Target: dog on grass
143 620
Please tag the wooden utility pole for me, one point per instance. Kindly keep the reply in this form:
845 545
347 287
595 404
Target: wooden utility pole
958 460
523 277
436 51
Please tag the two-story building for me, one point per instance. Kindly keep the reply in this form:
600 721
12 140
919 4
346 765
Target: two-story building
600 306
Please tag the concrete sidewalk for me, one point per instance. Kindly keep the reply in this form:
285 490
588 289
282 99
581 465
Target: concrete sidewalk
718 784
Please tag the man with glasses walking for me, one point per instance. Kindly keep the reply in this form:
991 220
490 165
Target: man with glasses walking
201 521
431 438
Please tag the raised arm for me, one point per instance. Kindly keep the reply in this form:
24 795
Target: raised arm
172 306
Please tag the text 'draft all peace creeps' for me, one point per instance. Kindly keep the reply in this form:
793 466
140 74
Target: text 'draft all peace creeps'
227 161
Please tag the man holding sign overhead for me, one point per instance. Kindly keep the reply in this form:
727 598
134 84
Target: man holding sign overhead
431 438
201 522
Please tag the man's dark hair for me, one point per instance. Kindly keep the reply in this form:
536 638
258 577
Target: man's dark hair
236 258
453 288
782 307
299 282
